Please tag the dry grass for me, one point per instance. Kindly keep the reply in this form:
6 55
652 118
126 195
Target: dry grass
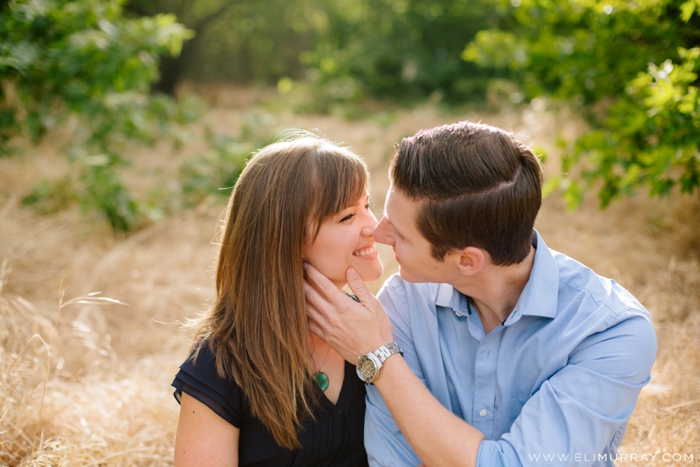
87 383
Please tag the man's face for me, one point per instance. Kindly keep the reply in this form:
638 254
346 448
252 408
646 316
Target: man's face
398 229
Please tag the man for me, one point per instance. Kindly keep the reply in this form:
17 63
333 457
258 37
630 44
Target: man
513 354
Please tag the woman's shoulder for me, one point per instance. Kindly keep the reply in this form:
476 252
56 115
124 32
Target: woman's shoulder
199 377
201 355
202 364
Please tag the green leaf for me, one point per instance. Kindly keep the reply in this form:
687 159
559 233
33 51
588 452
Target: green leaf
84 62
688 8
550 185
573 194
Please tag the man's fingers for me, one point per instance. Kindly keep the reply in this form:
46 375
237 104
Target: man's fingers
314 315
325 286
350 328
358 287
313 296
316 329
319 310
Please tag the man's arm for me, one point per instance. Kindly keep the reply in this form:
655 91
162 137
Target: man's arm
385 443
386 446
438 437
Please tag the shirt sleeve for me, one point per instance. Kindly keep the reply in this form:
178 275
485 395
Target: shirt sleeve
578 411
385 444
199 379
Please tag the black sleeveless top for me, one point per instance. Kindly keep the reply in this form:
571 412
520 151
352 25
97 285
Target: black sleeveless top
334 438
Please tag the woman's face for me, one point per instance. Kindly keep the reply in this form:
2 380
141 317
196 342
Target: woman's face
345 240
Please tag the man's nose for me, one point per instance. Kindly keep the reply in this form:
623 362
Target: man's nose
382 233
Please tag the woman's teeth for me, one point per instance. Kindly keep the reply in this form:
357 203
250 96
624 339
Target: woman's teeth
364 251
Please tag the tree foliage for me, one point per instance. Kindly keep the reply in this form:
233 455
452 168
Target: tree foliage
404 48
242 41
346 50
83 65
632 67
92 66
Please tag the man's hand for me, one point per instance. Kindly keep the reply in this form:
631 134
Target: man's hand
352 329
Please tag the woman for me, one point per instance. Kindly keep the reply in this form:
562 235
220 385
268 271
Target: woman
259 388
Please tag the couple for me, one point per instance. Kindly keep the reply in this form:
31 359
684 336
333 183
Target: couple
488 349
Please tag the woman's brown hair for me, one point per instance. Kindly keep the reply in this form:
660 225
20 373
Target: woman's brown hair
258 329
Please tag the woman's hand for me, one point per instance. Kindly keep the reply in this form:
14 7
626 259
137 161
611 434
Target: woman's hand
352 329
204 438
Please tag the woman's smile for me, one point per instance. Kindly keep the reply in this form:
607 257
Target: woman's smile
368 251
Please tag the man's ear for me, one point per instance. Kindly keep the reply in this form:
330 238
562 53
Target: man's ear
471 260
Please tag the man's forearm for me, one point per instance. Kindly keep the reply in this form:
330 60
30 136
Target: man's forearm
438 437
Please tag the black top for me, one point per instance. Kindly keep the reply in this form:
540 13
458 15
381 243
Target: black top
334 438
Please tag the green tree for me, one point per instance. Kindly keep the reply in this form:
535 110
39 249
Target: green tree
81 63
342 50
241 41
404 48
632 67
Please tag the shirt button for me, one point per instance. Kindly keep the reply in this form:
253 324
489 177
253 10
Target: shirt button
458 314
483 412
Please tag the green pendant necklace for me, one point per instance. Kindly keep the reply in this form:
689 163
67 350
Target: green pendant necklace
322 380
320 377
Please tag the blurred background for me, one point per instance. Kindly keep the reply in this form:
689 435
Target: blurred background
124 125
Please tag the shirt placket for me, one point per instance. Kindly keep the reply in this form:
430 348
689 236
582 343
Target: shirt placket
484 383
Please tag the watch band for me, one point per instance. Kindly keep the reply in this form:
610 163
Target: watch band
386 351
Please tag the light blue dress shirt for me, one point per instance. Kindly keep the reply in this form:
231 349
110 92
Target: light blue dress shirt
553 385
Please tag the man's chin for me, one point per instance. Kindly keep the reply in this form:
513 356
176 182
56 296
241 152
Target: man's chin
408 277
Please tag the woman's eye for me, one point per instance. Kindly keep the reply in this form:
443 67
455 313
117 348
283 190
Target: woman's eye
368 205
347 218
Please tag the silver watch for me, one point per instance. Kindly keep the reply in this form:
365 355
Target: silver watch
368 365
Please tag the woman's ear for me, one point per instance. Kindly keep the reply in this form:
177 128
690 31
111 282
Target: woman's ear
471 260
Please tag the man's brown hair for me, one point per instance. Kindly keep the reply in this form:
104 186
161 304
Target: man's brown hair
478 185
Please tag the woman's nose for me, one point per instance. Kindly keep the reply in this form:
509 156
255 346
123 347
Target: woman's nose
370 223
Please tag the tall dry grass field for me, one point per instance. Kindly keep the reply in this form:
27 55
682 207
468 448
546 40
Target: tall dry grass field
90 323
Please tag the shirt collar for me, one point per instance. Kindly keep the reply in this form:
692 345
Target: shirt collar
445 295
539 297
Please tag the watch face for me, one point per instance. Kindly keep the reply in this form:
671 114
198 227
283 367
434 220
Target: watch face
366 369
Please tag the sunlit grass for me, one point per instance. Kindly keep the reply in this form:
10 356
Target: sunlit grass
84 382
